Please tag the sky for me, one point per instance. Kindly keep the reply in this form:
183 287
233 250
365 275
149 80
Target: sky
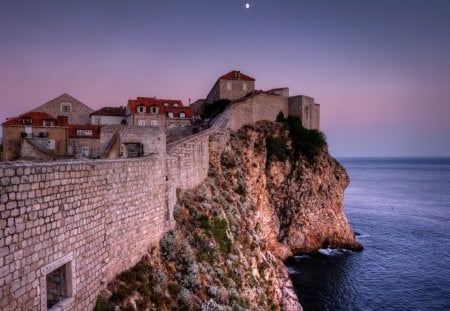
380 69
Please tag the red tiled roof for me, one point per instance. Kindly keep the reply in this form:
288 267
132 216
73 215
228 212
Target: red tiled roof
110 111
236 75
172 105
36 117
73 130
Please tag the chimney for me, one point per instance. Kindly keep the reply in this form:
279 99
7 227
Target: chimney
62 121
237 74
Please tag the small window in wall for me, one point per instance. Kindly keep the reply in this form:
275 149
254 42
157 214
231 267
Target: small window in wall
154 123
85 151
229 85
27 121
182 115
48 122
135 150
141 122
175 104
170 114
84 132
66 107
244 87
58 284
140 109
166 104
154 109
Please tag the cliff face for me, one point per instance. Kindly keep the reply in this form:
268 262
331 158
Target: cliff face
234 230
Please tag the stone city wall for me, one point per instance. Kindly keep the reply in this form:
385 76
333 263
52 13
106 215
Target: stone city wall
99 217
94 219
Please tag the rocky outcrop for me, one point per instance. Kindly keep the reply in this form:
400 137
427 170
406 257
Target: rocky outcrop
258 206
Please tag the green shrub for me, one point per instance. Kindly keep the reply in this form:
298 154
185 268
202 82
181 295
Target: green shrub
103 304
280 117
277 149
305 141
219 228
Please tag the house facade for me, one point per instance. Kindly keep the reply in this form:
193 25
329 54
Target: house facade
233 85
163 113
84 141
68 106
108 115
35 136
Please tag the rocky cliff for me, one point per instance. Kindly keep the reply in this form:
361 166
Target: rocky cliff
264 200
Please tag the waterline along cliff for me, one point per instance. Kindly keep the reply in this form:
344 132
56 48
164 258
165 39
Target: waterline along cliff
265 198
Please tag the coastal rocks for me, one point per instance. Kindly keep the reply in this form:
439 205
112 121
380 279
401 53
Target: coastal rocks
235 229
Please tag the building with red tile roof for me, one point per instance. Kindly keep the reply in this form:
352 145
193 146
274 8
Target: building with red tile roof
164 113
34 135
232 85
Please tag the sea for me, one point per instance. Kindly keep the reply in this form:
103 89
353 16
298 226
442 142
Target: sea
400 211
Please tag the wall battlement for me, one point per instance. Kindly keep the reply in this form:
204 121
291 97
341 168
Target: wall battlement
97 218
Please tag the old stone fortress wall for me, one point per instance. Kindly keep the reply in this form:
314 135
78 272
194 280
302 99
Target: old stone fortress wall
68 227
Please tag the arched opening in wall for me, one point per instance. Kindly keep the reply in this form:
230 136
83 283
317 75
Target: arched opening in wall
58 284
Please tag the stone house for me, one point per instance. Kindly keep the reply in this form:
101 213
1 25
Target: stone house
164 113
108 115
232 86
84 141
120 141
66 105
35 136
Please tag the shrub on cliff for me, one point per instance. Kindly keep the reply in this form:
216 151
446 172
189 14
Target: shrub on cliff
305 141
277 149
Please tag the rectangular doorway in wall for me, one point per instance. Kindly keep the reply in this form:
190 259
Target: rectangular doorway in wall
58 284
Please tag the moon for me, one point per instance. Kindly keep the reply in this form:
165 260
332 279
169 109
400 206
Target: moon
247 5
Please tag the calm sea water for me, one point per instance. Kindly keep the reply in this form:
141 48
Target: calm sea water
401 210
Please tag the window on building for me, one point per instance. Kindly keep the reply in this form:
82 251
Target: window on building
182 115
66 107
134 150
175 104
154 109
27 121
141 122
244 87
48 122
166 104
85 151
229 85
170 115
154 123
84 132
140 109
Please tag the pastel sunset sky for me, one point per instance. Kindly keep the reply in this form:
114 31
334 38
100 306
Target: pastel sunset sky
380 69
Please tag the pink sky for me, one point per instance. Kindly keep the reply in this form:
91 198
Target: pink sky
380 70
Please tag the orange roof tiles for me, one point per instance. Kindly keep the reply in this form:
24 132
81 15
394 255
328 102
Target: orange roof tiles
73 130
164 105
236 75
37 119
